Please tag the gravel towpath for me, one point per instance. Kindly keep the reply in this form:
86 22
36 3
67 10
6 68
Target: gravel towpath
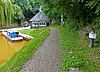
47 57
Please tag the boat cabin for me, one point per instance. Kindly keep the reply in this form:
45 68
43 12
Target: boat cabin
12 34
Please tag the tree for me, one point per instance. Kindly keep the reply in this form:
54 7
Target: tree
29 7
94 5
6 11
80 12
18 13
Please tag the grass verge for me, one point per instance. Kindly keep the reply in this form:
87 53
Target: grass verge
14 64
75 52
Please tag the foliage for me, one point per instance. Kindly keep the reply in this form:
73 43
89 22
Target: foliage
15 63
76 53
6 11
81 11
54 9
9 11
26 22
18 13
29 7
94 4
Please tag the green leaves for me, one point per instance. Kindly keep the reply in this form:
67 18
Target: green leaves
29 7
97 9
1 15
94 4
6 11
80 0
18 14
91 4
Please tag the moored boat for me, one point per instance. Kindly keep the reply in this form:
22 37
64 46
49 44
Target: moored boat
12 35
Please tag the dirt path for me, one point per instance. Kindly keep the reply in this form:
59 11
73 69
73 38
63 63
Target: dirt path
47 57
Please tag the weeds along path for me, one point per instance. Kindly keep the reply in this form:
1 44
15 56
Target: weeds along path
47 57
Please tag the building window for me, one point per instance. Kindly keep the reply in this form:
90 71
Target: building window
40 23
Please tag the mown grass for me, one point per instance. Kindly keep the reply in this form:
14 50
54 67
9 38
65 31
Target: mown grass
14 64
75 52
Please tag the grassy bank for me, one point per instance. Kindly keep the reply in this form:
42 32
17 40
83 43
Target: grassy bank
14 64
75 52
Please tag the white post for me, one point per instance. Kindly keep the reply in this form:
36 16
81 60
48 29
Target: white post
62 18
92 36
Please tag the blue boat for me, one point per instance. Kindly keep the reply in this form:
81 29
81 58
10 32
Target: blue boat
12 35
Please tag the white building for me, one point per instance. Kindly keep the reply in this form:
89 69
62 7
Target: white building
39 20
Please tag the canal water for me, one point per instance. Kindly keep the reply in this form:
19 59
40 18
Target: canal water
8 48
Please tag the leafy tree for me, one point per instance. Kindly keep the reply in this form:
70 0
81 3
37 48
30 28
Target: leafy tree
70 9
9 11
94 4
18 13
82 12
6 11
29 7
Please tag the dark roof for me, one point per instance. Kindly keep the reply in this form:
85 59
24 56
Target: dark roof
40 16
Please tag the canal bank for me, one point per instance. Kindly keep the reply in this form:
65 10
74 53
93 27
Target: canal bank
15 63
8 48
